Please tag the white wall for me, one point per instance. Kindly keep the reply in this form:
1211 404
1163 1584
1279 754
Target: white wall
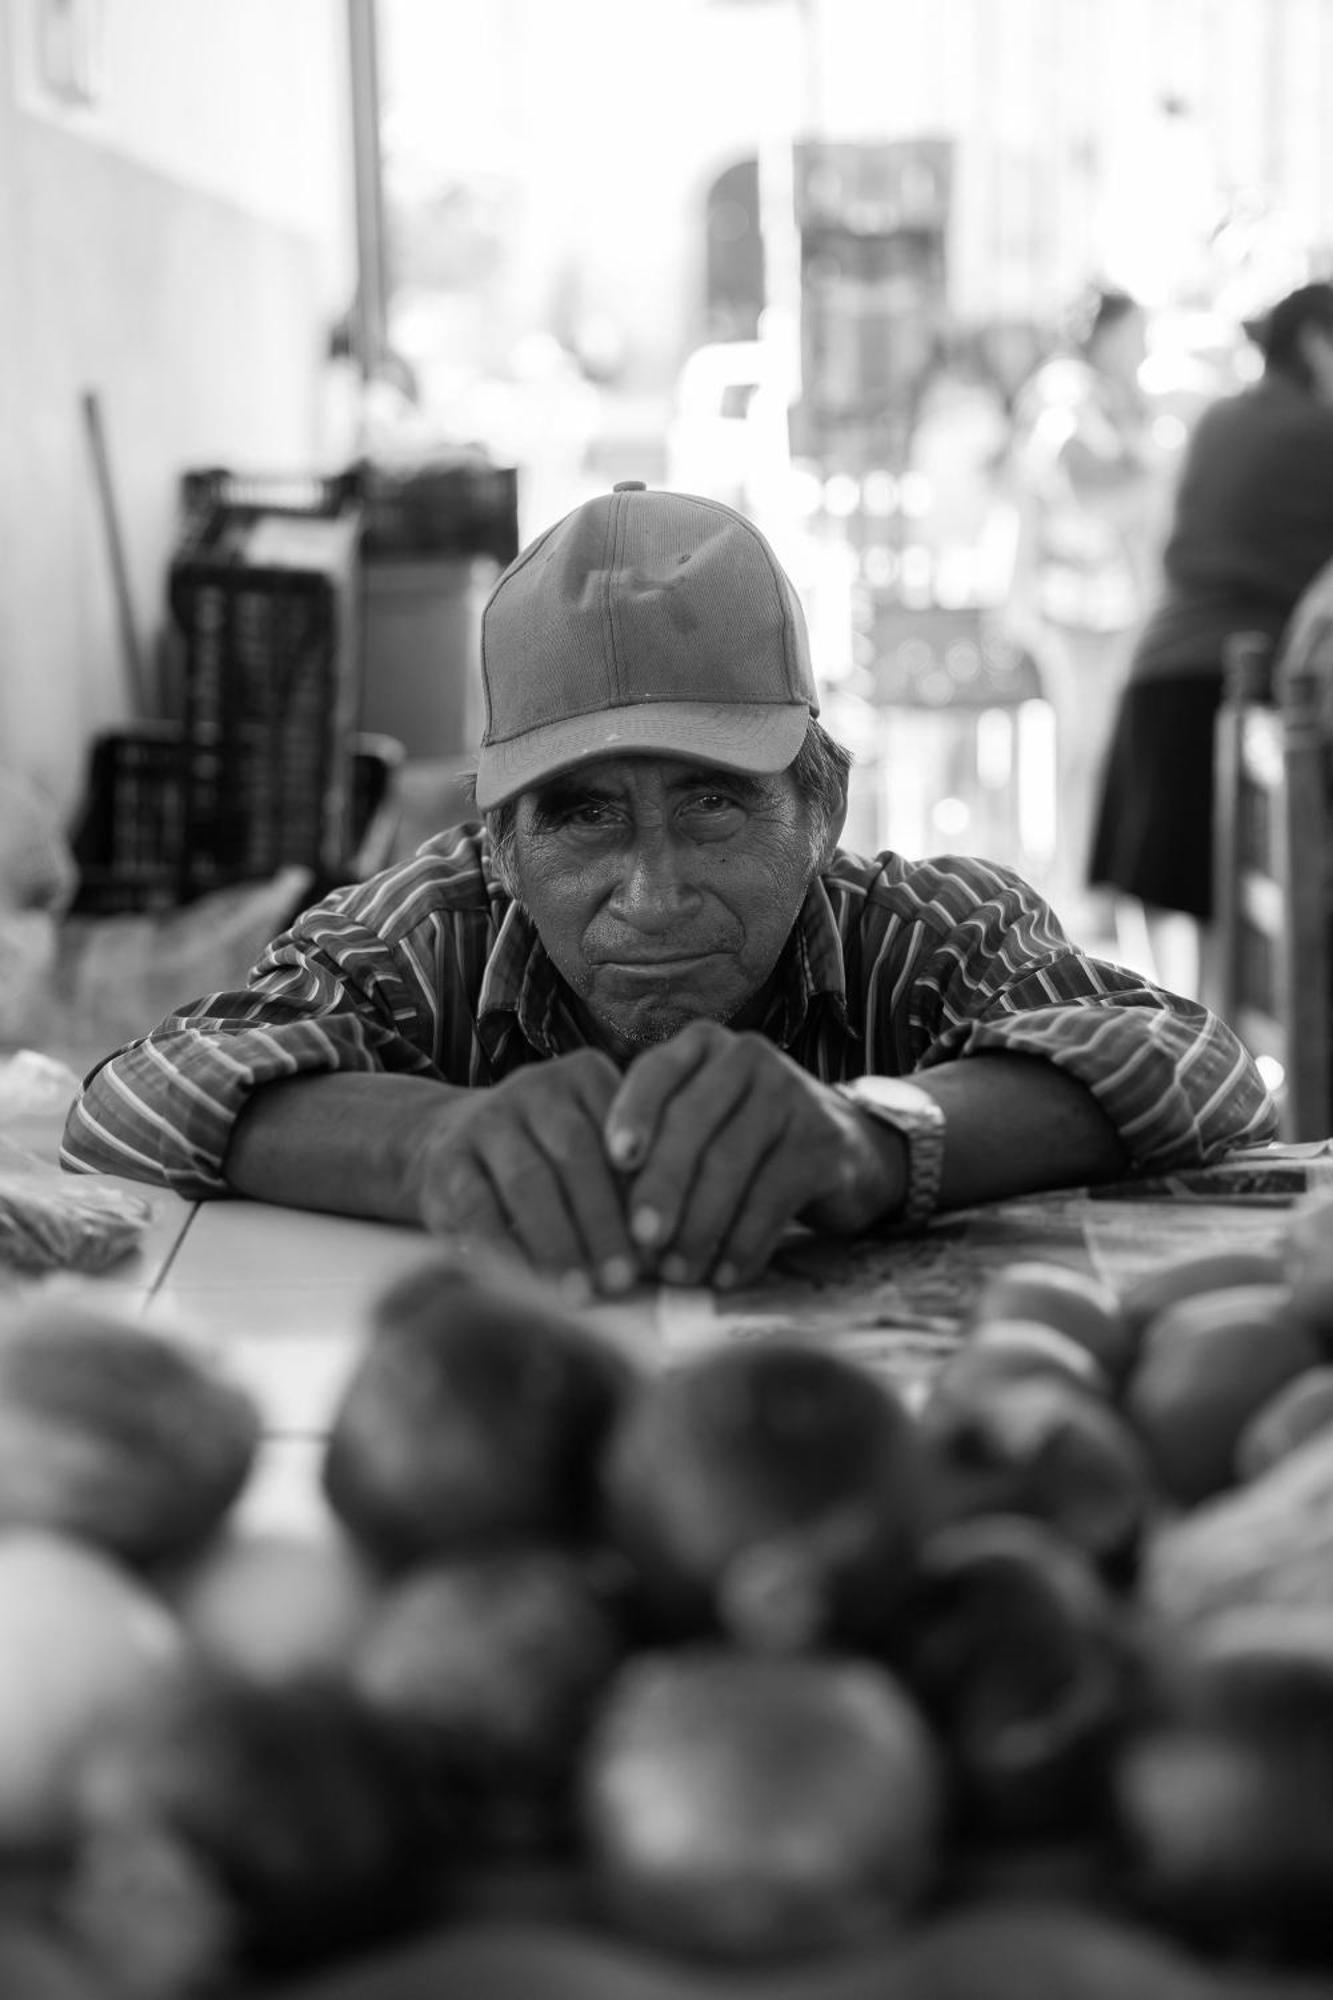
179 245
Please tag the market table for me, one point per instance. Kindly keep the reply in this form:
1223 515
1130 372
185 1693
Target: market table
284 1295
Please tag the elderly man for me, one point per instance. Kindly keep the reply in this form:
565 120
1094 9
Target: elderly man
649 1014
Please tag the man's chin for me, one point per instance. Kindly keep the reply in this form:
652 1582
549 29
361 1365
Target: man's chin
647 1031
626 1030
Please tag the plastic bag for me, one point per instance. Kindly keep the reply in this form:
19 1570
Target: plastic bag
37 879
37 867
33 1084
51 1228
117 977
29 944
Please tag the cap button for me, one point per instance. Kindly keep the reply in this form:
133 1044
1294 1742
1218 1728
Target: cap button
629 486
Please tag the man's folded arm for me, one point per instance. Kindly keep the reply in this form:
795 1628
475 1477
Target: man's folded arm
163 1109
1172 1080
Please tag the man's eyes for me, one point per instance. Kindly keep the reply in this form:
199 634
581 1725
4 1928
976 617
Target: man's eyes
587 812
597 814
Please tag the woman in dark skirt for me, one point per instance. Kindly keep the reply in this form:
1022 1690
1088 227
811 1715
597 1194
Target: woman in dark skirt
1252 526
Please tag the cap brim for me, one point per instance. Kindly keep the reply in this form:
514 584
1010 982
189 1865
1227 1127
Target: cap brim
755 737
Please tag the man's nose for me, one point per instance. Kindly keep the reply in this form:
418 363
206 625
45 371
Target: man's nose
654 885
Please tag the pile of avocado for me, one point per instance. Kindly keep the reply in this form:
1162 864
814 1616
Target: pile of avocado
744 1668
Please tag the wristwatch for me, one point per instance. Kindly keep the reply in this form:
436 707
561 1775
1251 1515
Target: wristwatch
914 1113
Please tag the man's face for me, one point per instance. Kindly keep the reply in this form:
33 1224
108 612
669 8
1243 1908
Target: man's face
663 891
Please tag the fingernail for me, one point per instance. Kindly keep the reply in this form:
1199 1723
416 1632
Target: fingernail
574 1288
645 1226
618 1274
624 1147
675 1270
725 1276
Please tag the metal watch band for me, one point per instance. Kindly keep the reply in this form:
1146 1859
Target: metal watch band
915 1115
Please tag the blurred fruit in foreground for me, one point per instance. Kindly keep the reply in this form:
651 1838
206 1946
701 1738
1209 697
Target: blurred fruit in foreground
745 1807
274 1605
81 1641
1049 1950
1307 1249
117 1435
1014 1647
1222 1789
1073 1302
1206 1365
39 1961
1028 1948
474 1415
1294 1413
1180 1277
1270 1542
1002 1350
773 1491
230 1828
487 1667
1043 1445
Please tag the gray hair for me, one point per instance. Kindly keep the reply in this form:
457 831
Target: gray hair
820 769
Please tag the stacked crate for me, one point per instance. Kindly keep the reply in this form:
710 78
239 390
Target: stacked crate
266 606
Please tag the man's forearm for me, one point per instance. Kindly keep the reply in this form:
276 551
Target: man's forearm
350 1144
344 1143
1017 1125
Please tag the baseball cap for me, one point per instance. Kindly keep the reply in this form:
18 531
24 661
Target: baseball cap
644 621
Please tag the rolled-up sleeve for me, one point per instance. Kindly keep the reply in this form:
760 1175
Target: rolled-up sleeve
377 978
1172 1078
163 1108
981 966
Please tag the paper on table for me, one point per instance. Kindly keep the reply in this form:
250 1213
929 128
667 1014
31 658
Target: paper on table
898 1304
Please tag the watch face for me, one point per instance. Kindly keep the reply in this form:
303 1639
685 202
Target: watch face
920 1121
895 1093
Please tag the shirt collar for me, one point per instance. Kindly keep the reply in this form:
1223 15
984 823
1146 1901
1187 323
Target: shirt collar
520 986
811 968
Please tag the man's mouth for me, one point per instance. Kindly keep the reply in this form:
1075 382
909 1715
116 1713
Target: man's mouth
673 962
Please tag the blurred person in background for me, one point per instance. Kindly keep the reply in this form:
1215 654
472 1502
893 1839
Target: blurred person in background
959 448
1088 490
1252 525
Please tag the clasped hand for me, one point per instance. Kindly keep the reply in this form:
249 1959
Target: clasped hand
684 1169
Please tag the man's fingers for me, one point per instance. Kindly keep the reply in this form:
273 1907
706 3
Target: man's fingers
536 1212
528 1165
592 1197
715 1112
744 1146
721 1196
464 1204
634 1116
773 1198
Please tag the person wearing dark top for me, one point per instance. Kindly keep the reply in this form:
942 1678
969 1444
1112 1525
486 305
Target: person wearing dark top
1252 525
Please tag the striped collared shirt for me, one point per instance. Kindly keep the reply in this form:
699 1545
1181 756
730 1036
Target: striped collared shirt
893 965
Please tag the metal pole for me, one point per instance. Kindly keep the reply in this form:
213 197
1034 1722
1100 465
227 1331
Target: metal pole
371 308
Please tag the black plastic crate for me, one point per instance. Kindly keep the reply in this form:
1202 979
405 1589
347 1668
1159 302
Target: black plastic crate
463 508
265 600
128 842
440 510
211 492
